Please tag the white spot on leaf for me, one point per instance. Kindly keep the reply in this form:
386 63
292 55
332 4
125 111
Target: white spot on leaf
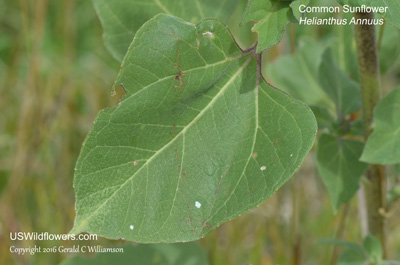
135 163
263 168
197 204
291 155
208 34
131 227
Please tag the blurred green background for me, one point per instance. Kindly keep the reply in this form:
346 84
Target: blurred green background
55 75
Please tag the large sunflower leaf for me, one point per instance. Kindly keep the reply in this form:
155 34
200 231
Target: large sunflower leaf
196 141
121 19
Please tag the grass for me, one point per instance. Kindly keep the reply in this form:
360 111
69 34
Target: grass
55 75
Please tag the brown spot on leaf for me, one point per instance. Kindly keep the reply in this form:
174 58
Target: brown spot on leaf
176 154
204 225
179 75
174 129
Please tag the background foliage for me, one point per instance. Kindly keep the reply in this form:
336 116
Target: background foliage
55 75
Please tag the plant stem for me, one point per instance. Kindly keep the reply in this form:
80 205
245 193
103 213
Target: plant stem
371 93
296 237
340 232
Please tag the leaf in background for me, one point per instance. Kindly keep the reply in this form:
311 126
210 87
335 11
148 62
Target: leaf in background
393 194
271 16
343 45
353 254
390 49
373 247
351 258
339 166
298 75
324 118
294 5
193 144
396 168
353 247
162 254
338 86
244 37
392 14
121 19
383 145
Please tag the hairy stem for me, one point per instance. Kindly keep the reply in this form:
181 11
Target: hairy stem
370 93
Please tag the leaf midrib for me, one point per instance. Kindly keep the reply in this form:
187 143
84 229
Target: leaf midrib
222 90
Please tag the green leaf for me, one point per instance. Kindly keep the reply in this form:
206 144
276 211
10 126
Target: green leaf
393 194
351 258
193 144
271 16
343 91
344 46
353 254
373 247
302 68
383 145
295 7
162 254
396 168
392 14
389 54
350 246
121 19
339 166
324 118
